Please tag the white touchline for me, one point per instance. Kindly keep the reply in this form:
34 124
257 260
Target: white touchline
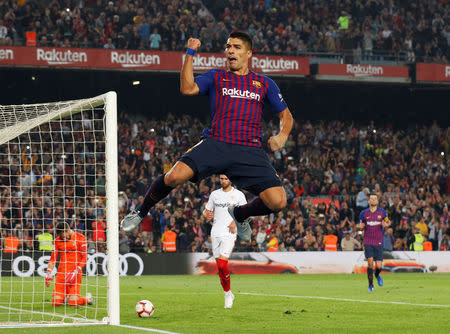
343 299
52 314
147 329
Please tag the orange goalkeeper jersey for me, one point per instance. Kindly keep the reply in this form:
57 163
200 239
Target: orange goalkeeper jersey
73 252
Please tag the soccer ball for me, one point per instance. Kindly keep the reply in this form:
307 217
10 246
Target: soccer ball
144 309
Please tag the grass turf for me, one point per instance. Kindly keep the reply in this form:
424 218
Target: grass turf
194 304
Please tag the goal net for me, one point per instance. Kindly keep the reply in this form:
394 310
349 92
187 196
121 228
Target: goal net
58 163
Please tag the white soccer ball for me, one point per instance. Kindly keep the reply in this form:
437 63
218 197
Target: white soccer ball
144 309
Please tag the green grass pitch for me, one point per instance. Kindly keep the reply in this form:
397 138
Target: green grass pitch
288 304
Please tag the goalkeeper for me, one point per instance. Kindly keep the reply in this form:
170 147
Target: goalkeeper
72 249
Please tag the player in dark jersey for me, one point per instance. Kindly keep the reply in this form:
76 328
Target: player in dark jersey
373 221
232 145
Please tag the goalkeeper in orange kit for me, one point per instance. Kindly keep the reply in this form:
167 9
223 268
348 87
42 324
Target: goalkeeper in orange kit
71 246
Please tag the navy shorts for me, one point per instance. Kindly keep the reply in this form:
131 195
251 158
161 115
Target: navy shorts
247 167
373 251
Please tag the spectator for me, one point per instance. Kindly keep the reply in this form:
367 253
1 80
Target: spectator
45 240
272 245
11 244
147 230
109 44
168 240
349 243
155 39
99 226
388 239
362 200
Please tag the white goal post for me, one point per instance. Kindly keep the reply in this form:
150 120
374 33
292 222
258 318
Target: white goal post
58 163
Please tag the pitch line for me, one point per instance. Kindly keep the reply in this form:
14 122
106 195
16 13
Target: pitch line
52 314
147 329
343 299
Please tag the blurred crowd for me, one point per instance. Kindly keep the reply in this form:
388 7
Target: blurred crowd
37 190
419 29
328 169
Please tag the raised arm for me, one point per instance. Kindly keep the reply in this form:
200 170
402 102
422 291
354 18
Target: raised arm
187 83
286 120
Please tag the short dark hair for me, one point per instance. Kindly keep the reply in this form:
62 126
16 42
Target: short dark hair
244 37
373 194
61 228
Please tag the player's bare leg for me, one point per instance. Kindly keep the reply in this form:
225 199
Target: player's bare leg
160 188
270 200
178 174
378 265
274 198
370 272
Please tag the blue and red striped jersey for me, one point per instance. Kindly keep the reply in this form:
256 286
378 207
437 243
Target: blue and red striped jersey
237 104
373 230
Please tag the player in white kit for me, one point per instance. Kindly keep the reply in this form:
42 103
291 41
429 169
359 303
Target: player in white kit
223 232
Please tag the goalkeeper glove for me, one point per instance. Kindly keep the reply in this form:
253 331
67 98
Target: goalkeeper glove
71 277
48 278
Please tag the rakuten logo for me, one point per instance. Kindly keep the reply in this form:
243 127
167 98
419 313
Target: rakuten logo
447 71
267 65
128 59
362 70
208 63
54 57
240 94
6 54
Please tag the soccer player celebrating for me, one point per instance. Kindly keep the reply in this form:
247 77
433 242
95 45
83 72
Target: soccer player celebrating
232 144
373 221
223 232
71 246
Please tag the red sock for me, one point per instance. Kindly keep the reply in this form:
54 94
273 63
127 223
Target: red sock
57 302
78 301
224 274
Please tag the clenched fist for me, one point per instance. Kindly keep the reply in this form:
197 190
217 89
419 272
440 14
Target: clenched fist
277 142
194 43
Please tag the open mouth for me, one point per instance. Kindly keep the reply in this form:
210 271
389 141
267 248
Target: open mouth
232 60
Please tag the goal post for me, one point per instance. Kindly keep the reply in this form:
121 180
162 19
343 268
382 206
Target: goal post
58 163
112 207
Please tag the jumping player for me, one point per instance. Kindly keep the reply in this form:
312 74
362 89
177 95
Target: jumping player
223 232
72 249
373 221
232 145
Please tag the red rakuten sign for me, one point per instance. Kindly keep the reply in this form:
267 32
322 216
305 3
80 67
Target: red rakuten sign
258 63
279 65
358 72
142 60
433 72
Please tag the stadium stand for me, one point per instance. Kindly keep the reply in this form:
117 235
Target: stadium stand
360 31
325 167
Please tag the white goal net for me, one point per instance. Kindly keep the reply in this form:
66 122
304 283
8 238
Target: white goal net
58 163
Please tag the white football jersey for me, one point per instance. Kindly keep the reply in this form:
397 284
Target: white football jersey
219 201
